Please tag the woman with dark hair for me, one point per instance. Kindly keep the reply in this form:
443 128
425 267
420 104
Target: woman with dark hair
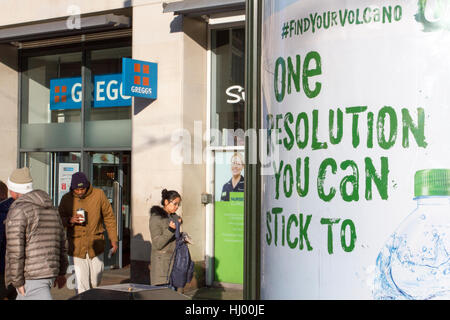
162 231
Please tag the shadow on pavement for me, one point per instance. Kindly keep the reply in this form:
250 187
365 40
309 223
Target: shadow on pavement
216 292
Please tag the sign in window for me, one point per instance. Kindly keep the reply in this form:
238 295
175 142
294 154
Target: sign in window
66 93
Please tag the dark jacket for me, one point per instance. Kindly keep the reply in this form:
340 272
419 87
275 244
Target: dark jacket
35 247
4 207
228 187
163 245
88 238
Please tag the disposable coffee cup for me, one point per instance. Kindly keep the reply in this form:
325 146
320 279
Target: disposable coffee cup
81 212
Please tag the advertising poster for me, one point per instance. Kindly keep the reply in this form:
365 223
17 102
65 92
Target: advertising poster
66 170
229 217
356 102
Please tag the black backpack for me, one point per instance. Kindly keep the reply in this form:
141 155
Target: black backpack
183 266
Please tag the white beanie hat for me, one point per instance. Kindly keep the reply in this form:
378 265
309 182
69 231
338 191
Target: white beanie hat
20 181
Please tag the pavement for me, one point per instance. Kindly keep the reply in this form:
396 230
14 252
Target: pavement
120 276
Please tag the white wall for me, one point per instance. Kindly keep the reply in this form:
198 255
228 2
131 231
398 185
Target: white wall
8 102
181 59
26 11
194 118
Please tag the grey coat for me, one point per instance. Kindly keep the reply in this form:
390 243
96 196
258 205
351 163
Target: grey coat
163 245
36 241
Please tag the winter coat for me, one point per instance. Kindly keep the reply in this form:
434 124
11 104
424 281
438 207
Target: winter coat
163 245
4 207
89 237
35 247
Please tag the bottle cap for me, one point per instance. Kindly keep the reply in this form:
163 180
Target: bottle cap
432 182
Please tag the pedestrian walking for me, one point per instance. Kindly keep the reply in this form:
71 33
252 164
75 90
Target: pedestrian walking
36 255
83 212
6 292
162 231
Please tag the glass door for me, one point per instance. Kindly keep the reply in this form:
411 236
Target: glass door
110 171
227 149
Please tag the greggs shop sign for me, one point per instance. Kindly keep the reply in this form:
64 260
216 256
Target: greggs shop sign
139 78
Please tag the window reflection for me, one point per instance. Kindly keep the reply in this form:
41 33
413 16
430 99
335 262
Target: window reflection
228 96
46 121
108 110
36 79
108 101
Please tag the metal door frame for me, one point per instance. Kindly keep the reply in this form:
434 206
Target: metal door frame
231 22
117 198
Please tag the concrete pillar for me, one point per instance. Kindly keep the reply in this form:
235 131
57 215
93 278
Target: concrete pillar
179 48
8 102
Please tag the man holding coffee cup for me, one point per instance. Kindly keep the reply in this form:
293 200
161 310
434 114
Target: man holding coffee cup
83 212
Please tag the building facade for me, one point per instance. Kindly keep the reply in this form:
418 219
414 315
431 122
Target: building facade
64 110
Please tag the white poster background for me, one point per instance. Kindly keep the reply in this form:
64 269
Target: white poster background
66 170
376 64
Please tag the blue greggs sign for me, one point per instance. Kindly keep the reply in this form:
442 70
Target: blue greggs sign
140 78
109 91
66 93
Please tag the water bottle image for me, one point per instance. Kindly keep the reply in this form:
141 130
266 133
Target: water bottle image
415 261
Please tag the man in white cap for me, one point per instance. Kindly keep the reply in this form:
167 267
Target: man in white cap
34 260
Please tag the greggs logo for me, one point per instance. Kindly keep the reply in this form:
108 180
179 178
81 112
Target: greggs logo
139 78
142 77
60 94
65 93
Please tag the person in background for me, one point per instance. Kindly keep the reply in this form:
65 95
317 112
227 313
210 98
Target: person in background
83 212
36 255
236 183
6 293
162 232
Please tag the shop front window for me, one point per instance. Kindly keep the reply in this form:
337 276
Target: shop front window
52 171
108 110
71 103
58 99
50 105
227 89
40 164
